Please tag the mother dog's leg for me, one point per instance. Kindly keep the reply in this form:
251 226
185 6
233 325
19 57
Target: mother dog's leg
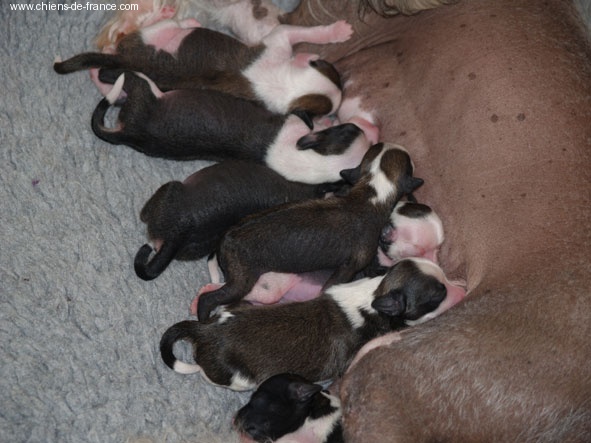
493 100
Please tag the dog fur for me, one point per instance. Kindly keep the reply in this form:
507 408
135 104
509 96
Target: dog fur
289 408
207 124
187 220
204 58
339 233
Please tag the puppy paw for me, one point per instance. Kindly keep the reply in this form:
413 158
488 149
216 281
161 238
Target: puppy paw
341 31
207 288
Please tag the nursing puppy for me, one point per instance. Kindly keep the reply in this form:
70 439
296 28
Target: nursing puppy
178 57
289 408
207 124
414 230
187 220
339 233
244 345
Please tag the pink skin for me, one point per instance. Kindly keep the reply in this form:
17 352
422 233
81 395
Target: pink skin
412 238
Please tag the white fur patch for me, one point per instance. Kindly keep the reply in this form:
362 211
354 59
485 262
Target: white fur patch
224 315
115 91
316 430
215 274
355 297
186 368
278 82
307 166
241 383
379 181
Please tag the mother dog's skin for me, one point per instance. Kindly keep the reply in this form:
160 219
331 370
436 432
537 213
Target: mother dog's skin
492 98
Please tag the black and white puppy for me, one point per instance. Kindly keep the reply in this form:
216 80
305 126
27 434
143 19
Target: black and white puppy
180 57
188 219
289 408
243 345
339 233
207 124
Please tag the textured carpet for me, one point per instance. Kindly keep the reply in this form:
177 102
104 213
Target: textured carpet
79 331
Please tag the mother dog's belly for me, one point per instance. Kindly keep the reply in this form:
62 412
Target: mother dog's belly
490 106
493 101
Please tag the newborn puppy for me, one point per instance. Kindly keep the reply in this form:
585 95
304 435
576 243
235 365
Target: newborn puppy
415 230
244 345
339 233
206 124
187 220
177 57
289 408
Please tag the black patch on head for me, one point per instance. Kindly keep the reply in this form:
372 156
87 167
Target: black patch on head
331 141
414 210
279 406
409 291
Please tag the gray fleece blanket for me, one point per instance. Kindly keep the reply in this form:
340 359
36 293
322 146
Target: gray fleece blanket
79 331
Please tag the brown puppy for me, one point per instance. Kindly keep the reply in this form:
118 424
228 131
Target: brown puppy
493 98
339 233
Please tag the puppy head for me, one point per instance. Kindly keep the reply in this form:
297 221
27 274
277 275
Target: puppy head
415 230
279 406
388 169
408 291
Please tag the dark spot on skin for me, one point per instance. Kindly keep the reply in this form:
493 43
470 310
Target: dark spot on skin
521 117
523 195
483 196
400 54
403 133
386 85
493 15
471 76
35 181
463 25
494 118
26 279
563 149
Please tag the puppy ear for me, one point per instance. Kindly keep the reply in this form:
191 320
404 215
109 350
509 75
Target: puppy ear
412 184
304 116
351 176
301 391
391 304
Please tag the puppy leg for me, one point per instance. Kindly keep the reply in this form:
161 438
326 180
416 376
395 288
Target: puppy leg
234 290
207 288
283 37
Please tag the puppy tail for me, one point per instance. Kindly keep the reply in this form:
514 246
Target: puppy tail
184 330
147 269
86 61
110 135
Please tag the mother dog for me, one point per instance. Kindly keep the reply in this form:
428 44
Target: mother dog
494 98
